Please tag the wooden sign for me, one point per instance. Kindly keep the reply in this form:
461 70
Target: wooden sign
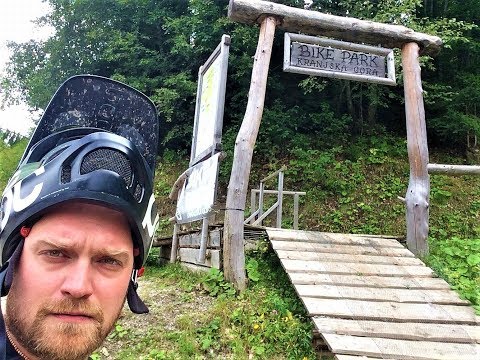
337 59
212 79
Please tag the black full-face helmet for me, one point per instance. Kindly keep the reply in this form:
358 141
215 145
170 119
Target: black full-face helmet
97 143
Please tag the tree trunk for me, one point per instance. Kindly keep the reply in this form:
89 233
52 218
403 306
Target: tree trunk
233 246
348 90
372 108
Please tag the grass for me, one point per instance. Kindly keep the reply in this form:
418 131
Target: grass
200 317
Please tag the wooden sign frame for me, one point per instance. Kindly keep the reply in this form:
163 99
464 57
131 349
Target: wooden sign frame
209 107
335 44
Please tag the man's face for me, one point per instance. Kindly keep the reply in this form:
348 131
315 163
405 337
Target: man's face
71 282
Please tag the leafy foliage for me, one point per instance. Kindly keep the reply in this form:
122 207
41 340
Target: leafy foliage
159 46
11 150
458 260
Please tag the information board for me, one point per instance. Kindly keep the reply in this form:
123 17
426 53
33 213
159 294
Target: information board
212 79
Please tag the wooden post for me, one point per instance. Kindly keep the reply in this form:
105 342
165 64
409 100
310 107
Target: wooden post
296 200
260 200
417 197
174 250
202 252
280 200
233 248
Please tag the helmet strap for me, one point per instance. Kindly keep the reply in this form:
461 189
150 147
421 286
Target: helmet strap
9 267
134 302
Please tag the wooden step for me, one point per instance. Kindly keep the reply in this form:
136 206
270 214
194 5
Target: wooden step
446 297
393 330
401 349
347 258
390 311
356 268
340 249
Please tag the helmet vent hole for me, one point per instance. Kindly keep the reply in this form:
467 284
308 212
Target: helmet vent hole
66 174
107 159
138 193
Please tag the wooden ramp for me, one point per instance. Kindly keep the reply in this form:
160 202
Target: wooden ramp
370 298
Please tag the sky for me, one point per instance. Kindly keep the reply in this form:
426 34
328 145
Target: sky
16 25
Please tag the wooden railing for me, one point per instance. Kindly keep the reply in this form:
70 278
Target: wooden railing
258 215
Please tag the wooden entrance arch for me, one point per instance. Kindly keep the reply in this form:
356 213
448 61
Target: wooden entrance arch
271 15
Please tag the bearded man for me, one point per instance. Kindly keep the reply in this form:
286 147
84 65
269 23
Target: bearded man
77 221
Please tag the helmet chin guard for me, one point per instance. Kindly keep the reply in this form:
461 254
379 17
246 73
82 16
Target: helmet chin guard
96 143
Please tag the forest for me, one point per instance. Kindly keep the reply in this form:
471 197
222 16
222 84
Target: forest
343 142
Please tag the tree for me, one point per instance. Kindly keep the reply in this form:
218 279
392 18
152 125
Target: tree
158 46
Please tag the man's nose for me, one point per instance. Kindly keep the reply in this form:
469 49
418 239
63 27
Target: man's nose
78 280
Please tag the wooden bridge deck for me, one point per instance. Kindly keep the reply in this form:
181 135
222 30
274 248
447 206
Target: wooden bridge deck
370 298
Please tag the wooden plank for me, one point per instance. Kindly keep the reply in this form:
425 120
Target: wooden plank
191 255
359 269
404 349
353 357
194 239
405 331
369 281
347 258
359 240
327 25
330 238
340 249
390 311
447 297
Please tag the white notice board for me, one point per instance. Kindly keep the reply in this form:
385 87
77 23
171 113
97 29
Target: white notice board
212 79
198 193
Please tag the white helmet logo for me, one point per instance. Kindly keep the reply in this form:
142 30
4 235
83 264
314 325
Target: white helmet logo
147 220
14 201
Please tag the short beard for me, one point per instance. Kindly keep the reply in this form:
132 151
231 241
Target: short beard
48 339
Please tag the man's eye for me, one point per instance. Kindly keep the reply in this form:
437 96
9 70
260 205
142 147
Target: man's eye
109 261
54 253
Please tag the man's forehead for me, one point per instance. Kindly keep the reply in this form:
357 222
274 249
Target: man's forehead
82 207
78 222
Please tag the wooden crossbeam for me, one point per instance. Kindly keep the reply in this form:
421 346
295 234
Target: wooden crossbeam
339 27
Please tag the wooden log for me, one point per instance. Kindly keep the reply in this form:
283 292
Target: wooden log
212 258
339 27
194 239
158 243
417 197
234 252
453 169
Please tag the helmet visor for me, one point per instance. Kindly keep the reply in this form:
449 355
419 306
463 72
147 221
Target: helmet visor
97 102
